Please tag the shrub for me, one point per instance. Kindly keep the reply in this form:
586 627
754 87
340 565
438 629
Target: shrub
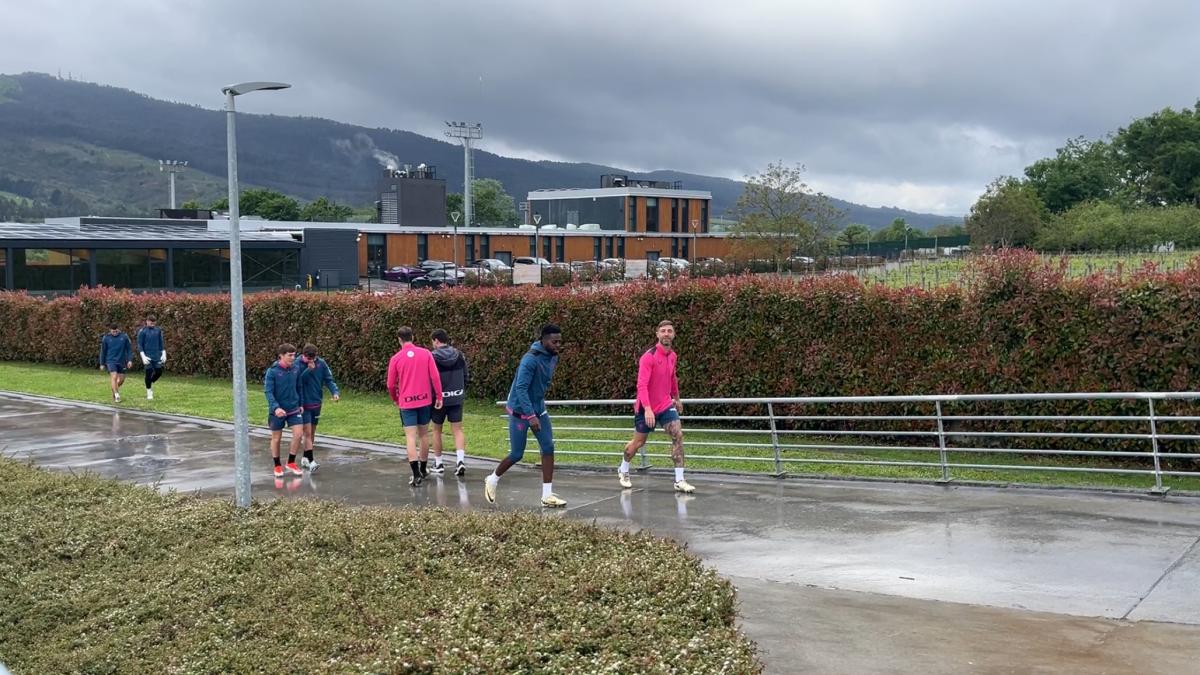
1017 326
101 576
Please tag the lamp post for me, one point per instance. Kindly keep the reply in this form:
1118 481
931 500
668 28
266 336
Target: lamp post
171 167
454 243
241 423
537 245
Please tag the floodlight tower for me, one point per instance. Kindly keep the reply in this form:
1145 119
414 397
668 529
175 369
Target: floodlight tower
171 167
466 132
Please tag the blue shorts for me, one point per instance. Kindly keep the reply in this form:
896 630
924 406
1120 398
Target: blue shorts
518 435
416 417
311 415
662 419
293 418
118 368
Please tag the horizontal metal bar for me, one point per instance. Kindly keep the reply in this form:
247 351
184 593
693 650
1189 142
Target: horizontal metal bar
1048 434
944 398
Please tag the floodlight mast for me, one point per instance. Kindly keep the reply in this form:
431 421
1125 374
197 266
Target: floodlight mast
466 131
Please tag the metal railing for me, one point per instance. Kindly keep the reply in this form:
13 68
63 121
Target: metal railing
944 427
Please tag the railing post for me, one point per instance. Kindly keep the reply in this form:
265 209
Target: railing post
941 431
775 440
1158 488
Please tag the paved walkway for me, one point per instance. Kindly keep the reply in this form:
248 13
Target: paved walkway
832 576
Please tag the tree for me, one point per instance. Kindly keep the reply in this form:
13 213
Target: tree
779 216
1009 213
897 231
191 204
1081 170
267 204
947 230
454 204
325 211
1159 157
855 233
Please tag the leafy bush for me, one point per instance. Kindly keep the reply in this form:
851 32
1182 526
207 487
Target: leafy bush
101 576
1019 325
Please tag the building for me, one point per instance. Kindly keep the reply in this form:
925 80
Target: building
170 254
625 205
411 197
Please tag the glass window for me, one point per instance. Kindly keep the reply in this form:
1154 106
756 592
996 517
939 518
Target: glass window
596 248
125 268
651 214
652 255
533 247
469 244
559 246
50 269
631 215
270 267
197 268
485 246
674 215
674 247
683 249
547 242
376 253
704 216
620 247
3 268
422 247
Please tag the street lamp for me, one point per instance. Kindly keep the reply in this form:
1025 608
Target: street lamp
454 215
241 422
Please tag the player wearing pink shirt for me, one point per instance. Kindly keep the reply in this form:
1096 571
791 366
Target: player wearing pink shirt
657 404
415 386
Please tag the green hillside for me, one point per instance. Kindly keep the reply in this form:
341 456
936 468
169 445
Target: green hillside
72 147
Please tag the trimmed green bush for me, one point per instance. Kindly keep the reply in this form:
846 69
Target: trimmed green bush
99 576
1018 326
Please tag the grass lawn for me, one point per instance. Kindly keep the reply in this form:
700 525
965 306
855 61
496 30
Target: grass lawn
371 416
98 576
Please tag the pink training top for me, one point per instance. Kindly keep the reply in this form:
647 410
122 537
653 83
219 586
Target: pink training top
657 385
412 378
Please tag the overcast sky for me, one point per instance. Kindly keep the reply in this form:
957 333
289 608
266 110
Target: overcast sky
914 103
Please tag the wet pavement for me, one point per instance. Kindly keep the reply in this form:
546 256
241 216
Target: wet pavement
833 576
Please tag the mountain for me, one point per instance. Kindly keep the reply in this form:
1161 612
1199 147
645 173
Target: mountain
73 148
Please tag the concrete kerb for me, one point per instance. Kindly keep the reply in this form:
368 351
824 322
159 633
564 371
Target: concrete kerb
354 444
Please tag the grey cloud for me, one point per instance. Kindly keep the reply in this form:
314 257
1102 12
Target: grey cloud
885 101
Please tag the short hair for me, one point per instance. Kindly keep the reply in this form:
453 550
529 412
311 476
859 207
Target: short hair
310 350
285 348
550 329
666 322
150 317
441 336
405 334
112 325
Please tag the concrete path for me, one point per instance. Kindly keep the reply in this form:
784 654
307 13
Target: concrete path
832 576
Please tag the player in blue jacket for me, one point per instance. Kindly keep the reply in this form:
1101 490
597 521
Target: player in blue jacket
315 378
116 356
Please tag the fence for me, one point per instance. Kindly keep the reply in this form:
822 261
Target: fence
930 433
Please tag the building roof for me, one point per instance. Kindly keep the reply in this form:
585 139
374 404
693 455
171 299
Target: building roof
136 230
583 193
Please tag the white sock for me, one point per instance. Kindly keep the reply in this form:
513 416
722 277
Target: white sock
437 461
493 479
624 466
461 454
678 474
546 489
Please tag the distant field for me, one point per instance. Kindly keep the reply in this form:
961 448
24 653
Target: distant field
934 273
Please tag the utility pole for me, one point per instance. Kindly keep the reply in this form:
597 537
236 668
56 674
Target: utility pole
171 167
466 132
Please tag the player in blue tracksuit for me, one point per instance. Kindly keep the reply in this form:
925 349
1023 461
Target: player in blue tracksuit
281 385
315 378
116 356
153 353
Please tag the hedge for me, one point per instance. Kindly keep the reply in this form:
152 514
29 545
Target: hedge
1019 326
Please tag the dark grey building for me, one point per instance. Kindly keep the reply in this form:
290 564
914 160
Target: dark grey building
168 254
413 197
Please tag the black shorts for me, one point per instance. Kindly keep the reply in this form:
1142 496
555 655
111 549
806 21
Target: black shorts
448 412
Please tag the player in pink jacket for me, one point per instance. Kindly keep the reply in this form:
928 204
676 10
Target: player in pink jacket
414 384
657 404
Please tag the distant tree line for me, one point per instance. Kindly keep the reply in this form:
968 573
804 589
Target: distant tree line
1134 189
272 205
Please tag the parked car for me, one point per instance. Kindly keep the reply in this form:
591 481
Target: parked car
492 265
710 261
675 264
529 260
439 279
613 264
581 265
403 273
801 260
436 265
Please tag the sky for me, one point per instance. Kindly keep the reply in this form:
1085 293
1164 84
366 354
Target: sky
916 104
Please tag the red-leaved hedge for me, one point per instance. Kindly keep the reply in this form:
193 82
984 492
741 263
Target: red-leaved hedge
1021 326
